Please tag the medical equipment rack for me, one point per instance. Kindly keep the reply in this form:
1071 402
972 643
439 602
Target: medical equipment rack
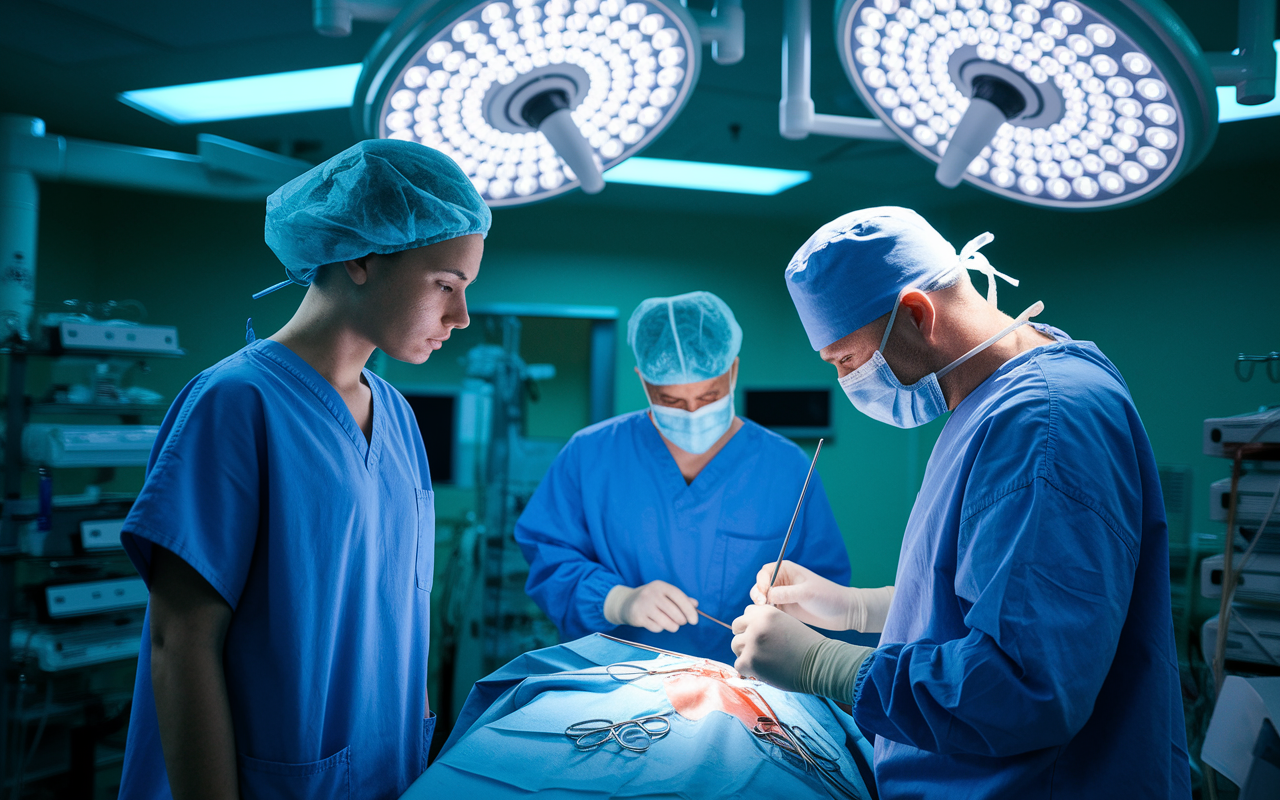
1239 454
73 720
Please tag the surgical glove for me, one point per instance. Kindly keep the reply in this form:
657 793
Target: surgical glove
771 646
813 599
656 606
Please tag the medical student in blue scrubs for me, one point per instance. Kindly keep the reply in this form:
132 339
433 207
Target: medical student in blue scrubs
1028 650
286 525
649 517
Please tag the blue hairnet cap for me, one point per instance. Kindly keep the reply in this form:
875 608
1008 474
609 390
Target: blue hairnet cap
683 339
850 272
378 196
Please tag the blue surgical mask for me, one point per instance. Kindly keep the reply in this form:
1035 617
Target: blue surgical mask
694 431
876 391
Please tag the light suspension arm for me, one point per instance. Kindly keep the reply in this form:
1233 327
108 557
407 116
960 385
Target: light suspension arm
1252 67
333 17
796 117
724 28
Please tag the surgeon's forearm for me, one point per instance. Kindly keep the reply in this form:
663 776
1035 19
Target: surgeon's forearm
613 603
869 608
188 628
830 669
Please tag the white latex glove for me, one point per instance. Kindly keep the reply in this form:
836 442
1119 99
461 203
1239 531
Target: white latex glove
813 599
771 646
656 606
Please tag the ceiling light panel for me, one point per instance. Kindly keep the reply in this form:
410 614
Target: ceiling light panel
252 96
705 176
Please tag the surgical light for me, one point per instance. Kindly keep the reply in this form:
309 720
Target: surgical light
252 96
705 176
531 98
1070 105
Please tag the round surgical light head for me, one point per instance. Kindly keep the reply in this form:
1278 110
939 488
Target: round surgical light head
1057 103
531 98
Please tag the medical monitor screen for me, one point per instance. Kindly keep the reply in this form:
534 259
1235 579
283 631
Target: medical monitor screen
435 413
798 413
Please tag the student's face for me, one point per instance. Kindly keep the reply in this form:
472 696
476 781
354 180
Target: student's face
414 299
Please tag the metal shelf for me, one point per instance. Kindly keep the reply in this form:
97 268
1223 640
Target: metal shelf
101 409
70 352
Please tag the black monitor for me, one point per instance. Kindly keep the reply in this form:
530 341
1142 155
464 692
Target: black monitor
795 413
437 419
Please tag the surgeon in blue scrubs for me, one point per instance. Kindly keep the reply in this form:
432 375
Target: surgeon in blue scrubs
286 525
649 517
1028 650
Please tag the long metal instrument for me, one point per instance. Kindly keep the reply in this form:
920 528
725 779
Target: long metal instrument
794 517
713 619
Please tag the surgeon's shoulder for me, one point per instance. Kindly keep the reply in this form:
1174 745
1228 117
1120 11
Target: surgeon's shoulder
773 446
610 431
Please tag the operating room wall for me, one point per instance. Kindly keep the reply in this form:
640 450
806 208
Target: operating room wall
1171 290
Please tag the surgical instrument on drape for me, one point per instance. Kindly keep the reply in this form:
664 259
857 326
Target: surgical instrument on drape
635 735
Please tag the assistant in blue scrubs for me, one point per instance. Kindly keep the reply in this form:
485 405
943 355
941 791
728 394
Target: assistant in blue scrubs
616 509
286 526
322 544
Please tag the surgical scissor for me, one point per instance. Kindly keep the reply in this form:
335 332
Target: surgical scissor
635 735
627 673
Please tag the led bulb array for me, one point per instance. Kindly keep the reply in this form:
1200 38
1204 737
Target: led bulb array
1119 133
634 63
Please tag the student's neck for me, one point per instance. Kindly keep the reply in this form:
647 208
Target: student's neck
330 346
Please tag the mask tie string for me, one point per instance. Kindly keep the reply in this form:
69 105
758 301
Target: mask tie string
971 259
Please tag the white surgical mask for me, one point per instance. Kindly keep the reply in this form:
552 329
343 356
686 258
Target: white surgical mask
694 431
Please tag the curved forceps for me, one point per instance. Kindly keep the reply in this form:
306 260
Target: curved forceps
635 735
792 738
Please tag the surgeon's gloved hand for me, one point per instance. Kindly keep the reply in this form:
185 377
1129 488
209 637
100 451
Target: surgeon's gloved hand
656 606
813 599
771 646
782 651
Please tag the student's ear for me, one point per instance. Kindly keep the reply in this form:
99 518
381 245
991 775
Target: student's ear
358 269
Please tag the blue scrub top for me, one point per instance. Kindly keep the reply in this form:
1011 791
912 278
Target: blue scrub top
322 544
615 510
1029 647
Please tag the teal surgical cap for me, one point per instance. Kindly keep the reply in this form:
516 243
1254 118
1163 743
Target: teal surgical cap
379 196
853 269
683 339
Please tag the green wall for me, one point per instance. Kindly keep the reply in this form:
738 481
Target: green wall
1171 290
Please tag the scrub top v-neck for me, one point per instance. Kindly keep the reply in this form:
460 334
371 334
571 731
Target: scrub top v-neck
322 543
615 510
